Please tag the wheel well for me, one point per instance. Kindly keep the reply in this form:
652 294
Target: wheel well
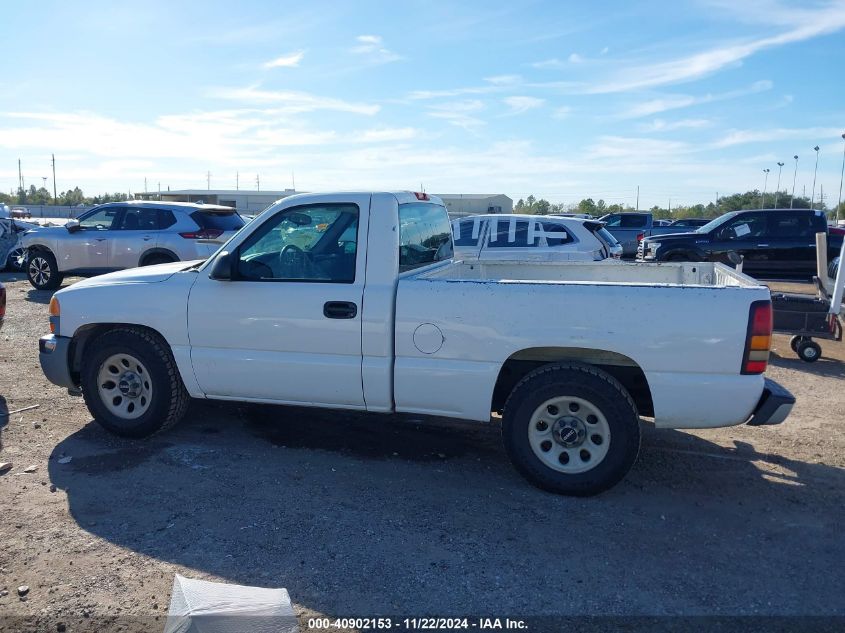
153 252
87 333
621 367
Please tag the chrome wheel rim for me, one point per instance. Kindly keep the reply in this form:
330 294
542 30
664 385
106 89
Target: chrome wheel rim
39 271
569 434
124 385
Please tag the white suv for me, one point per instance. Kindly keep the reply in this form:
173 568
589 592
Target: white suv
122 235
506 236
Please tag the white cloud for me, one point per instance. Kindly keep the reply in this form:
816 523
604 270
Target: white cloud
575 58
293 101
503 80
804 25
459 113
382 135
546 64
674 102
291 60
605 50
372 48
520 104
660 125
420 95
809 135
562 112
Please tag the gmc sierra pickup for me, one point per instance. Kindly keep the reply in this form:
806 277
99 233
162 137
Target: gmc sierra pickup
353 301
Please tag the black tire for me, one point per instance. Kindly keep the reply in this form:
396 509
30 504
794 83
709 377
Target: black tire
169 399
809 351
794 341
152 260
42 270
588 383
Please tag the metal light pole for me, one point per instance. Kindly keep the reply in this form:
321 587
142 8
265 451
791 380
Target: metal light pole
840 214
794 176
765 182
813 197
777 191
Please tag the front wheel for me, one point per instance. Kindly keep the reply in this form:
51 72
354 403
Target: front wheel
42 271
131 383
571 429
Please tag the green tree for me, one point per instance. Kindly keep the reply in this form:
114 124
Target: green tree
587 206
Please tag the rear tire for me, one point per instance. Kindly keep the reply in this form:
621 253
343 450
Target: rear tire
42 271
809 351
571 429
131 384
16 261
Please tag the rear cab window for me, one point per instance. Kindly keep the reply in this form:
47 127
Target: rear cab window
425 235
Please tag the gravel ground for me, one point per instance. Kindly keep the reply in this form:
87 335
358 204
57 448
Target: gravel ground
359 516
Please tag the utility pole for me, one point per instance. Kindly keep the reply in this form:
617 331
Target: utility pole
237 181
208 180
145 185
292 181
841 177
777 191
794 176
813 199
638 197
765 182
20 178
55 197
159 190
257 183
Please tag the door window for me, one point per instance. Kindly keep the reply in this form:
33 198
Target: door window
513 233
99 220
745 227
314 243
555 233
467 232
627 221
791 225
138 219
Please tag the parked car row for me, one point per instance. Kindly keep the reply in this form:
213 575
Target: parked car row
631 227
772 242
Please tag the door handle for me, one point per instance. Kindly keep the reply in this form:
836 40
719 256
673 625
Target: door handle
100 239
340 310
762 245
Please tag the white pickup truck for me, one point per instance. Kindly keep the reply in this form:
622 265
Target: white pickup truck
353 301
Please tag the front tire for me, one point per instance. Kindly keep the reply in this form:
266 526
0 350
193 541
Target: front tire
42 271
131 384
571 429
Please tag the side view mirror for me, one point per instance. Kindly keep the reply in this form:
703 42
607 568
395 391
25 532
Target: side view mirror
73 226
735 258
221 269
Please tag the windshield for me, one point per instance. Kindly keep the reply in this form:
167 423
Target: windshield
716 223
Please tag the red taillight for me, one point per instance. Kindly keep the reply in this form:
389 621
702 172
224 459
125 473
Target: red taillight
640 237
421 195
759 338
204 234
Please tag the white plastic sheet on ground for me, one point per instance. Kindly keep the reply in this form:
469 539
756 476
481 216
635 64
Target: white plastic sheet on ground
198 606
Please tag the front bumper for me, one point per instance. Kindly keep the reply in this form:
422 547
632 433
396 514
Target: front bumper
774 405
54 356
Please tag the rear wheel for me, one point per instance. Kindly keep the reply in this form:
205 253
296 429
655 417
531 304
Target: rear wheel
131 384
571 429
16 259
809 351
42 271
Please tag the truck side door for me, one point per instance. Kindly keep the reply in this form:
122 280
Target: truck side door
747 234
287 327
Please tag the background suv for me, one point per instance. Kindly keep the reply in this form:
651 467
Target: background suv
125 235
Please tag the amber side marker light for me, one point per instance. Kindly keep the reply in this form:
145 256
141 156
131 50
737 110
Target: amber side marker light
759 338
55 312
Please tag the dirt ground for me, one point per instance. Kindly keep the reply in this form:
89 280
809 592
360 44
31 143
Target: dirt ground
365 516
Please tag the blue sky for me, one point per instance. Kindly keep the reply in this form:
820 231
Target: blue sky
563 100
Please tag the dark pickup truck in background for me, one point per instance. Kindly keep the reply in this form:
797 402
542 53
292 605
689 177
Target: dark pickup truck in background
773 242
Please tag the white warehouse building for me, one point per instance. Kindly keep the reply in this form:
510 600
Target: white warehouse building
252 202
461 204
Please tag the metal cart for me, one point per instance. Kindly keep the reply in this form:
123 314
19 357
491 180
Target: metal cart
806 317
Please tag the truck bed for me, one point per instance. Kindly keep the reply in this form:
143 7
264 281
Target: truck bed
703 274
